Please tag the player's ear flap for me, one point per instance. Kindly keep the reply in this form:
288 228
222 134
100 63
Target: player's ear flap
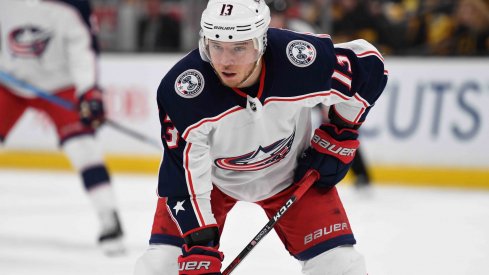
202 53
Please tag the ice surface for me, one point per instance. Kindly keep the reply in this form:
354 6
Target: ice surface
47 226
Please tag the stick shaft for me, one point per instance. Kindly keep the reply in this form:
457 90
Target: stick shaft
304 184
6 78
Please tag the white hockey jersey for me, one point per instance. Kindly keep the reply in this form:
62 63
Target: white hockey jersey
47 44
247 143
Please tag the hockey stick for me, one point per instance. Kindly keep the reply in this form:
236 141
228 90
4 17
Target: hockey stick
304 184
6 78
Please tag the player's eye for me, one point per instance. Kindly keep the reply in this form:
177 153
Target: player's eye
239 49
216 47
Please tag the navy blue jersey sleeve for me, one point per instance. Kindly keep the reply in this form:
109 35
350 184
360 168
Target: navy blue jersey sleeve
185 206
349 76
171 174
177 98
302 63
184 99
360 74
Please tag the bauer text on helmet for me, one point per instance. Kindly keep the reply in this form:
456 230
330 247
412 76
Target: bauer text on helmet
235 21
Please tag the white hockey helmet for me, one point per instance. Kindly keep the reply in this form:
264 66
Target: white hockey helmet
234 21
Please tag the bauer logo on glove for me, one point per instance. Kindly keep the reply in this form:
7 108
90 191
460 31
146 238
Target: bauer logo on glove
331 153
340 150
194 265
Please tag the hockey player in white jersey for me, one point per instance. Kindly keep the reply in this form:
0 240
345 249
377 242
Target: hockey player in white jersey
236 126
51 45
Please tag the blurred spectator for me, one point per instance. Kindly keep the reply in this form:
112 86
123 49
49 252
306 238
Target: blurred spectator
106 14
158 30
398 27
354 19
471 31
127 17
285 16
430 27
318 13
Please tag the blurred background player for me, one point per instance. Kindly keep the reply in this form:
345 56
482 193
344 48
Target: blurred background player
360 171
51 45
158 31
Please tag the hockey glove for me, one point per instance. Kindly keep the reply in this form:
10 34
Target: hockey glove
200 260
331 154
91 108
200 254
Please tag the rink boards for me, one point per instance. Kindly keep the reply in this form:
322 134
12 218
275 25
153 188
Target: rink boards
430 126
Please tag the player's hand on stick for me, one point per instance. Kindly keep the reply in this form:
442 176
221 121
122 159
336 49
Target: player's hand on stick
331 154
200 254
200 260
91 108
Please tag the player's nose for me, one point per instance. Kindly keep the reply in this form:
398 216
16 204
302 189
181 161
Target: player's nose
228 59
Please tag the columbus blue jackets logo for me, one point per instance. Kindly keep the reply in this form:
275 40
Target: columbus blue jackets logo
301 53
189 84
261 158
28 41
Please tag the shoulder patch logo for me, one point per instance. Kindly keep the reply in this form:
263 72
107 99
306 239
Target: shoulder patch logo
189 84
301 53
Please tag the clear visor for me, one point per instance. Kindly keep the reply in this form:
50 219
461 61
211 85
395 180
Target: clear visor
232 53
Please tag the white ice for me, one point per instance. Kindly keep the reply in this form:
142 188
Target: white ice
47 226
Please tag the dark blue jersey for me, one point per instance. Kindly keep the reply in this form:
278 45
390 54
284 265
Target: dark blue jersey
246 142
